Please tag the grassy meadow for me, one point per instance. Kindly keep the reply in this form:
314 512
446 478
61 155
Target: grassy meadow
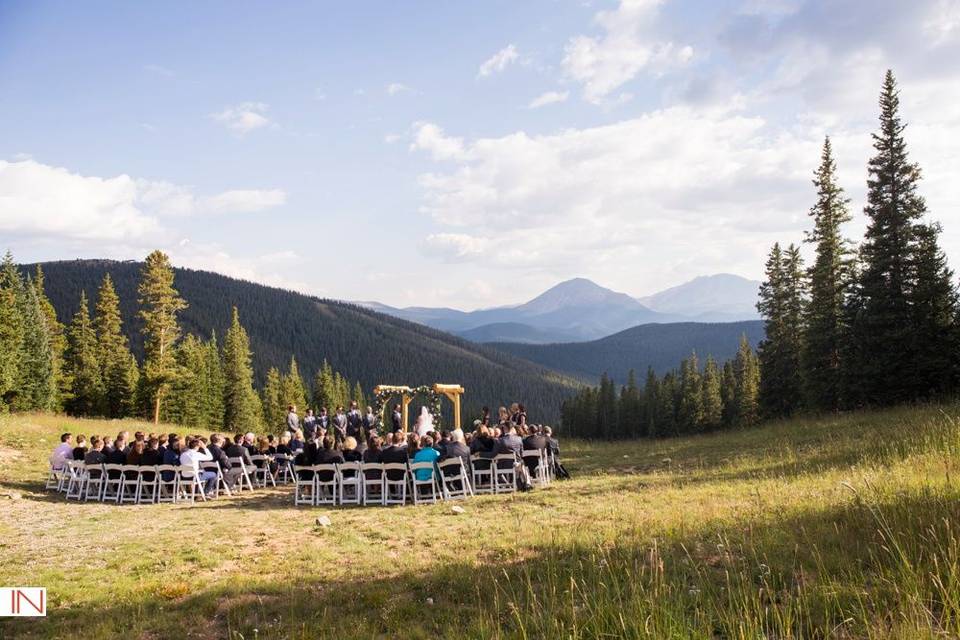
841 527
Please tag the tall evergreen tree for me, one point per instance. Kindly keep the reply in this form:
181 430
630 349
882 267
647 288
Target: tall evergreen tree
607 408
629 415
781 305
651 393
82 363
11 331
58 340
747 375
887 358
242 410
666 405
37 384
934 301
185 400
294 392
711 399
829 278
274 410
323 388
159 305
214 387
690 410
728 393
114 354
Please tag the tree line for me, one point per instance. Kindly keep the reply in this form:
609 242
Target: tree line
868 325
690 399
86 367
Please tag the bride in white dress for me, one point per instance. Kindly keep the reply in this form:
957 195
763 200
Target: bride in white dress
424 422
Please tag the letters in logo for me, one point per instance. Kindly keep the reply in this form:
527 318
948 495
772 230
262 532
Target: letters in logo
23 601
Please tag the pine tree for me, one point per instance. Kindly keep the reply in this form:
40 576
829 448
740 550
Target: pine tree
11 331
651 393
747 374
781 305
36 385
274 410
242 410
728 394
323 388
83 364
358 395
690 411
711 399
185 400
887 355
294 393
214 387
666 406
629 415
159 306
114 353
58 340
606 408
829 278
934 301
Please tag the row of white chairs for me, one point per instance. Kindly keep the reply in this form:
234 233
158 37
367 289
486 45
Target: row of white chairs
358 483
123 483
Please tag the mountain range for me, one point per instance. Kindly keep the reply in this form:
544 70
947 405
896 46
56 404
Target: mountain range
580 310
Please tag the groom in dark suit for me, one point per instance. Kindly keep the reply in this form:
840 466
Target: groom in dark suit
397 418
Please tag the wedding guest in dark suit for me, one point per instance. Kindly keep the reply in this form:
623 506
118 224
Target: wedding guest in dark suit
392 452
95 454
456 448
151 455
239 450
215 449
80 451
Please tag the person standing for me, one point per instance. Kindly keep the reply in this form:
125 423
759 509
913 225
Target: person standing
397 419
293 420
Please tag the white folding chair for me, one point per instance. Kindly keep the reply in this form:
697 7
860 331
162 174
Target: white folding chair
325 481
373 491
425 490
304 487
147 489
395 480
349 477
129 483
94 480
505 476
189 484
76 476
222 486
454 479
284 468
537 473
112 481
481 472
261 470
242 474
167 483
55 477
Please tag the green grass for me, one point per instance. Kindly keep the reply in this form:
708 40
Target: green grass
840 527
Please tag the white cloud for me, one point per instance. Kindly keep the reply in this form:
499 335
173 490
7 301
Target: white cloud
159 70
455 246
499 61
628 45
42 200
396 88
550 97
244 118
431 138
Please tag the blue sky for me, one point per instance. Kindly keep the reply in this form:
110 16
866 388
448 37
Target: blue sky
457 154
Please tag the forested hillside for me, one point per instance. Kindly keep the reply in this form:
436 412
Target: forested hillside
364 345
661 346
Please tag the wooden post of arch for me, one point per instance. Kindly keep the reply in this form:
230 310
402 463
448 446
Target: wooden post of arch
453 393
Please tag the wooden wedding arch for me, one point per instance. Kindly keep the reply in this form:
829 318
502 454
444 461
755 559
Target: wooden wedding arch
451 391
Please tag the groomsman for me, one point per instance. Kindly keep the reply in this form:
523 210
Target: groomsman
354 420
397 419
293 420
340 425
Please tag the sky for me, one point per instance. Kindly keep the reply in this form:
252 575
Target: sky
452 153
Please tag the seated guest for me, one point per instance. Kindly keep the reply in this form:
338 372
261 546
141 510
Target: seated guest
552 443
350 453
301 460
284 447
534 441
125 436
171 456
392 453
329 454
483 443
135 453
80 451
107 444
162 443
510 443
119 453
63 452
441 444
272 444
413 445
296 442
263 446
249 442
456 448
374 450
191 458
239 450
426 454
95 454
151 454
362 441
215 449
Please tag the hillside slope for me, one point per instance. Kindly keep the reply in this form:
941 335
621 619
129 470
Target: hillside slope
660 346
362 344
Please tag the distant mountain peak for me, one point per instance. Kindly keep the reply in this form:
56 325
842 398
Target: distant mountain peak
576 292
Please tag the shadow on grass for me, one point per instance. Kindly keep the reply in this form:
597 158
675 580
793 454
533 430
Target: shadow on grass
864 564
